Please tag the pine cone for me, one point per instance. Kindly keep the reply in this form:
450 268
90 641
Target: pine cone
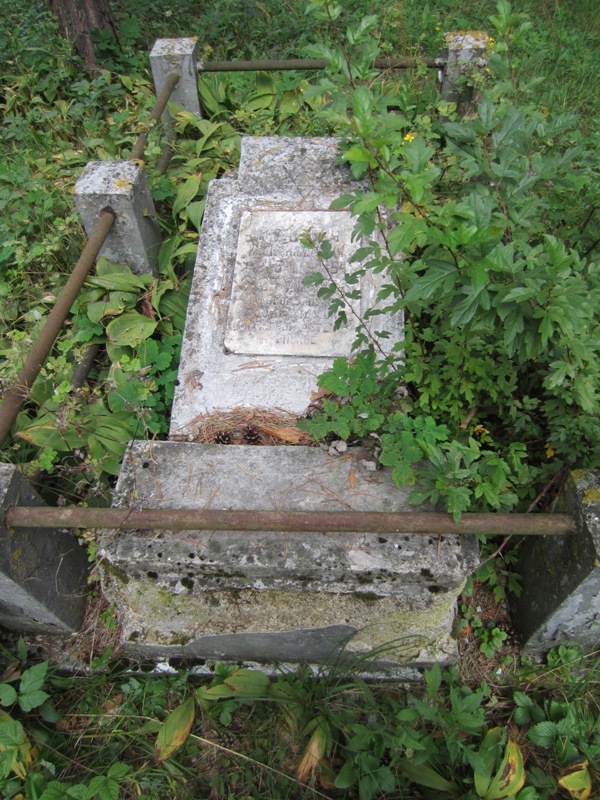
223 437
251 435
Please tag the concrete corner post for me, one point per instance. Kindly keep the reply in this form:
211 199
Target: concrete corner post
560 602
177 55
43 573
466 49
123 186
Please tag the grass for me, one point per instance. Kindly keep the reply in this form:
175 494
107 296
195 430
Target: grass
54 119
117 733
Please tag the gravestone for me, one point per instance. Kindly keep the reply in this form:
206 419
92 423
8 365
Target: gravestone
257 338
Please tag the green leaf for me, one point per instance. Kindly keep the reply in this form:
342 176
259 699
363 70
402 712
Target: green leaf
577 782
265 83
33 678
45 433
410 231
489 753
118 277
8 695
195 212
543 734
15 747
259 102
117 303
290 102
426 776
359 154
131 329
30 700
57 790
362 103
119 770
167 252
174 730
346 777
186 193
433 680
441 275
510 776
248 683
513 125
103 788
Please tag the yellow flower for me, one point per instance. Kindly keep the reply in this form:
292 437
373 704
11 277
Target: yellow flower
409 137
549 451
479 430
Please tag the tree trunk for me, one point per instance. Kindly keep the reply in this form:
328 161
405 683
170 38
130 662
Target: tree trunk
78 18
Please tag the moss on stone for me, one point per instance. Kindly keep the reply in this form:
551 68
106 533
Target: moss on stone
591 495
385 625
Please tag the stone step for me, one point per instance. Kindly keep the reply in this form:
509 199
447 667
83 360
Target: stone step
277 596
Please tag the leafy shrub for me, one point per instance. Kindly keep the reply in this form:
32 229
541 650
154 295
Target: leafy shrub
484 229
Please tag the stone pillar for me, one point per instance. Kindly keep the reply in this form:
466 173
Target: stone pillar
181 55
560 602
123 186
466 49
43 573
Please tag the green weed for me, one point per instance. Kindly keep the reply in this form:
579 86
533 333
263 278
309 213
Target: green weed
490 255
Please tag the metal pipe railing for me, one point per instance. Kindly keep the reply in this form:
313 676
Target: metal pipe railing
267 65
183 519
17 394
157 109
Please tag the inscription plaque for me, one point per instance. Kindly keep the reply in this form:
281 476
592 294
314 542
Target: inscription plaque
271 312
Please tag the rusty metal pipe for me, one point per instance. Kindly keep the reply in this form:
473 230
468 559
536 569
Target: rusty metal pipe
387 62
17 394
183 519
171 82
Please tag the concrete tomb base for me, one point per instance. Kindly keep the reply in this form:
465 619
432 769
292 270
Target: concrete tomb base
560 601
291 597
43 574
256 338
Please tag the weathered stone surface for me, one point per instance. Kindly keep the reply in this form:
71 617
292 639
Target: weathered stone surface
560 601
135 238
255 336
466 51
181 55
262 317
43 573
207 591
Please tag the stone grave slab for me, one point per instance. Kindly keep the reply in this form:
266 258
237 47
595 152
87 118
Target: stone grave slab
277 596
257 339
255 336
